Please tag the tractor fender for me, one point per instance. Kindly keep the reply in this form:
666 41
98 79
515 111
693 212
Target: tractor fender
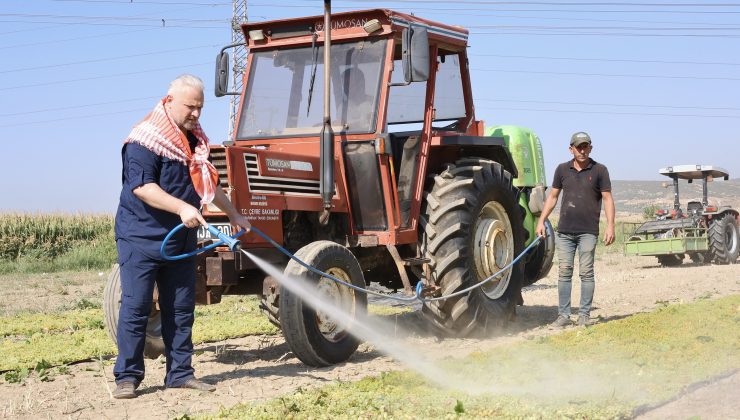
489 147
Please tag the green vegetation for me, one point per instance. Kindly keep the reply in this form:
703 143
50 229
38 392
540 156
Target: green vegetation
53 242
648 213
604 371
63 337
79 334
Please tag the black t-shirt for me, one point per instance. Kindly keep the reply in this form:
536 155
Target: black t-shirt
581 205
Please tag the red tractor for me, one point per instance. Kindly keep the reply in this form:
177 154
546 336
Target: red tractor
395 182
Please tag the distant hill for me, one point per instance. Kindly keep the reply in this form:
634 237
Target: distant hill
634 196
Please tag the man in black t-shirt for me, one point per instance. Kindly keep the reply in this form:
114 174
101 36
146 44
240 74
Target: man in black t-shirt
585 184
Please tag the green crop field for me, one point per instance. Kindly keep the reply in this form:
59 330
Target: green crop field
52 242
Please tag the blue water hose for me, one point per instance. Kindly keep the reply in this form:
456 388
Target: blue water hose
234 245
419 285
224 239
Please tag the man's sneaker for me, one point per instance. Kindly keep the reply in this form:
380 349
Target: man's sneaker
561 322
125 390
583 320
193 383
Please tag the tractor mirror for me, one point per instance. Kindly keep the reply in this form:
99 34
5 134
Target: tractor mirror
222 74
415 46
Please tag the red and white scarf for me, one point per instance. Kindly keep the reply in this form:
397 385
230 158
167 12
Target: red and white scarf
159 133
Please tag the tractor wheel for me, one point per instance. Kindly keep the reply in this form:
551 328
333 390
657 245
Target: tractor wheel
723 239
270 306
154 346
700 257
472 227
316 336
540 262
673 260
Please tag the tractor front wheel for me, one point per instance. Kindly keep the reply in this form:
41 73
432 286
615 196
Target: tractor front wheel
154 346
316 313
723 239
471 229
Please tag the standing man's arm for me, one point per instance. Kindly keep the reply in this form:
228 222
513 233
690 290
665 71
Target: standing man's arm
227 207
153 195
550 203
610 211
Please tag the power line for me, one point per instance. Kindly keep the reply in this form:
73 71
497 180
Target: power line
609 34
649 76
590 19
84 17
586 28
490 9
641 105
612 113
162 24
38 111
134 16
611 104
477 107
575 3
618 60
107 76
98 60
76 118
172 3
55 41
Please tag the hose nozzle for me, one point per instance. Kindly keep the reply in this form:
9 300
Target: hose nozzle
232 243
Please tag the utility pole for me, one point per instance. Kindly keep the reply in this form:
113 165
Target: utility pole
239 16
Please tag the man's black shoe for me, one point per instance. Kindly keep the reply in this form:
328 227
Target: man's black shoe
125 390
197 385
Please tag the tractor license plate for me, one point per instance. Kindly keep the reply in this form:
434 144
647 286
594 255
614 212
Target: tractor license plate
204 234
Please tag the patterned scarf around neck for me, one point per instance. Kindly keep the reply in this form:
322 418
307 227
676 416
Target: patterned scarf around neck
159 133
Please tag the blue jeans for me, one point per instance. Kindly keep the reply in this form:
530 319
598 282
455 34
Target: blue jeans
566 245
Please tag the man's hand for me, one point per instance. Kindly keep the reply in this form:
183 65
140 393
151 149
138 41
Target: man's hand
609 235
540 229
190 216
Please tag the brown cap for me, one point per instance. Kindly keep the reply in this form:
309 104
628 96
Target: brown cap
579 138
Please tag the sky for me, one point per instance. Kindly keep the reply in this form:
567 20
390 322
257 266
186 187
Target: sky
655 83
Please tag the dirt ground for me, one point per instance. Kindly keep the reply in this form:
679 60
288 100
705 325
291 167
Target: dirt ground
257 368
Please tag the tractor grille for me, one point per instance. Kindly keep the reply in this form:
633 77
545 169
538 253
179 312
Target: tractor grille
218 158
260 184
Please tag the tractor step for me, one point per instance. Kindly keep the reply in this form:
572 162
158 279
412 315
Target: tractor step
413 261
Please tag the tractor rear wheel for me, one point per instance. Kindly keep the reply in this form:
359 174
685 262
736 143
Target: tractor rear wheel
316 336
723 239
540 262
472 228
154 346
673 260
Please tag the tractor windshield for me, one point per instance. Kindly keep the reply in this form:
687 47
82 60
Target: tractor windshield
276 102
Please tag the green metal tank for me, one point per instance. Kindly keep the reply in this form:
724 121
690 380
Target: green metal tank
526 150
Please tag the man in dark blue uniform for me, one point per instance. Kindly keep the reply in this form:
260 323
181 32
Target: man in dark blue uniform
585 183
166 177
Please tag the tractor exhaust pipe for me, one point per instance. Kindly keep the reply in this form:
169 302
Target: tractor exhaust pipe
327 135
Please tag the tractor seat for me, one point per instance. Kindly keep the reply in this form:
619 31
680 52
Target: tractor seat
694 208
